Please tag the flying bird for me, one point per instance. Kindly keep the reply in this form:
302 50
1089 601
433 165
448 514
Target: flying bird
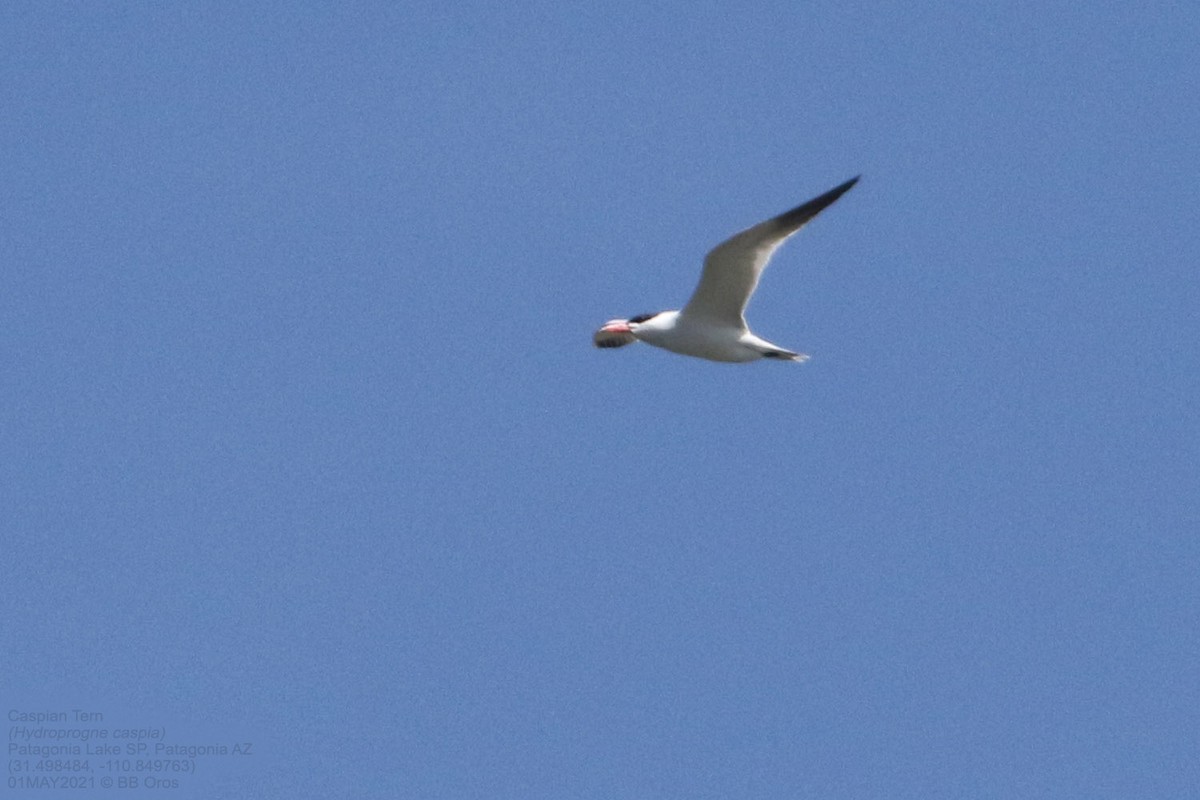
713 324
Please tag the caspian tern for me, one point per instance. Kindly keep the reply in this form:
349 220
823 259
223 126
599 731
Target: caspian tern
712 325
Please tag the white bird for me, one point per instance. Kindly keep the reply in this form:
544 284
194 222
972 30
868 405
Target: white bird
712 325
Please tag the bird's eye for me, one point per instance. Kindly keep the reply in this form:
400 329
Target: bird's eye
642 317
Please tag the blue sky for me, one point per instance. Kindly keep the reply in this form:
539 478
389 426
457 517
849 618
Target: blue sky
306 443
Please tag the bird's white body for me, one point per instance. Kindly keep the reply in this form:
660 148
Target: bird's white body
679 333
712 325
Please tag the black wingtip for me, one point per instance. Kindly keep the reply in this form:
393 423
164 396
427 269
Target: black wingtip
824 201
791 221
838 191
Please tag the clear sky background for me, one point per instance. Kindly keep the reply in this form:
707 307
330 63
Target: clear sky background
304 440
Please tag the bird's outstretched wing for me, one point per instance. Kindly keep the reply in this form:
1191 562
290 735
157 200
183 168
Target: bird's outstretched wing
732 268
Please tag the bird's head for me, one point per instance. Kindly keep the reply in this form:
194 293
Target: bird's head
620 332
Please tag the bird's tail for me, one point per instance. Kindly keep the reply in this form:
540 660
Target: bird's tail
786 355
